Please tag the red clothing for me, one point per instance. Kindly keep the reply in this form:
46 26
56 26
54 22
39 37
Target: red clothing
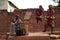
39 12
50 13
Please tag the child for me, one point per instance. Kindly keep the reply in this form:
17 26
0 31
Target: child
39 13
50 18
12 28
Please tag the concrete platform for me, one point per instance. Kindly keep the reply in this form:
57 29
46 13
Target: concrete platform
32 36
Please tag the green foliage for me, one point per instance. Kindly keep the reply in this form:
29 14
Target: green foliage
57 1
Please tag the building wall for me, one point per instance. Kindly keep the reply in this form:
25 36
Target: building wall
3 4
10 8
5 20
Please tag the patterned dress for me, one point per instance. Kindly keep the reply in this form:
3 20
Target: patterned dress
12 28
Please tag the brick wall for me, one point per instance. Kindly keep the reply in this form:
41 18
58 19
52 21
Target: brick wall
57 19
5 19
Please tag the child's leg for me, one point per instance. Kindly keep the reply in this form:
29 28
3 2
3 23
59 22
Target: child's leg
51 30
45 28
52 26
37 19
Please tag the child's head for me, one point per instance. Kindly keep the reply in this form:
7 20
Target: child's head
50 6
17 16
